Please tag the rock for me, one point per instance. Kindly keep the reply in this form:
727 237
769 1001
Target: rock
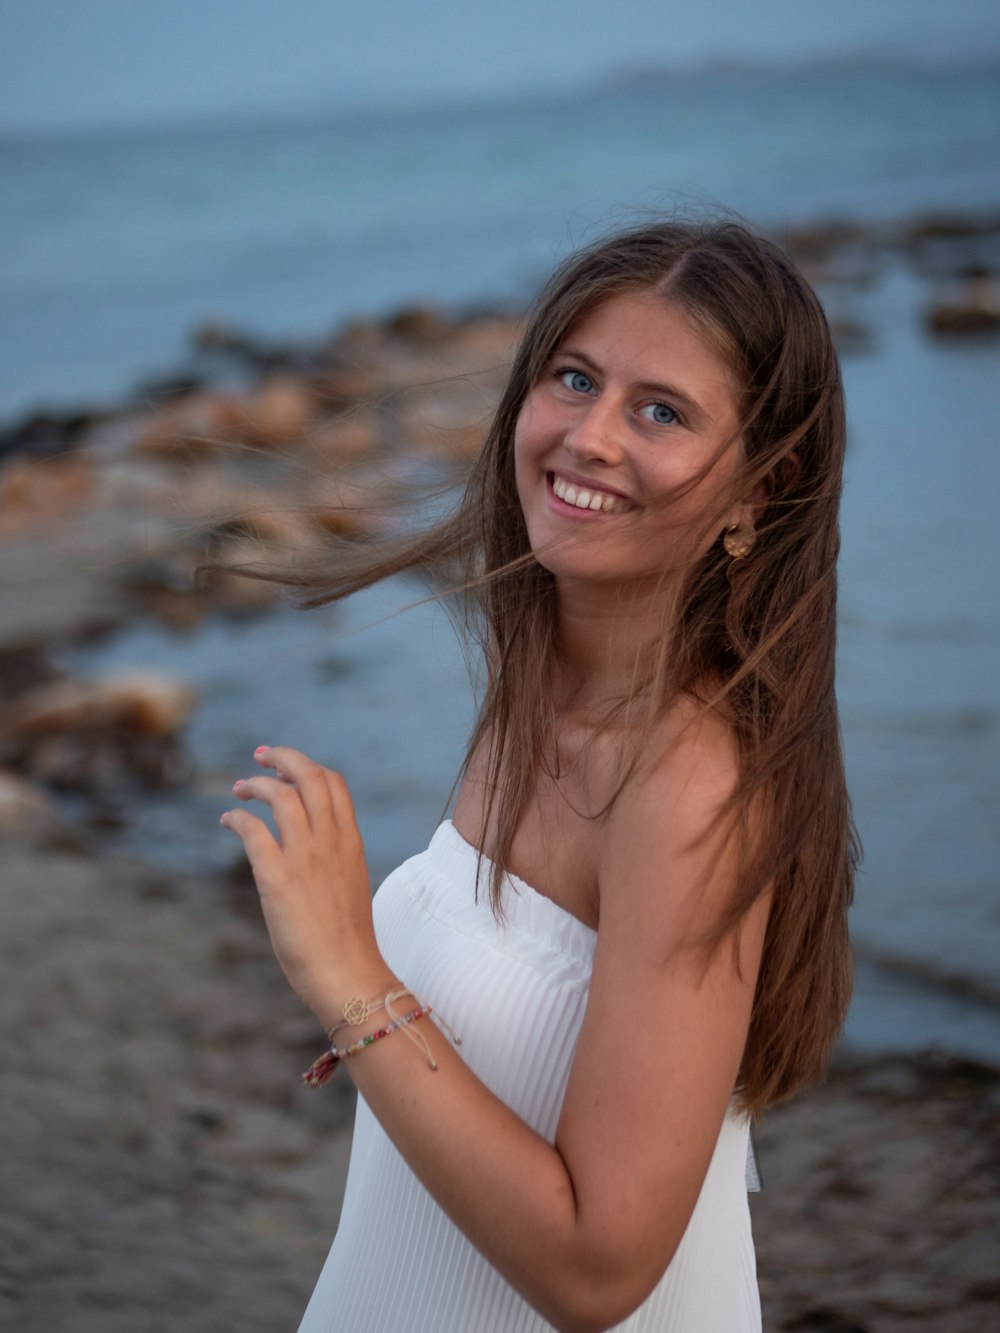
279 412
941 246
972 308
142 486
485 347
34 491
23 669
341 386
243 349
46 433
342 510
350 437
211 336
418 323
225 588
354 343
169 388
141 703
201 423
216 337
949 226
168 587
259 527
87 736
24 807
836 252
447 420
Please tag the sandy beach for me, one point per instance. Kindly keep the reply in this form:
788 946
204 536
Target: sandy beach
162 1167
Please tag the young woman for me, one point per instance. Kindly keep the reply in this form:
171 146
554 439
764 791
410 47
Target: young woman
636 920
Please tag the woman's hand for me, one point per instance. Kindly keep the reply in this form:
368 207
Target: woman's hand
312 880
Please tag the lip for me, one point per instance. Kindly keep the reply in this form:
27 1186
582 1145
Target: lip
571 512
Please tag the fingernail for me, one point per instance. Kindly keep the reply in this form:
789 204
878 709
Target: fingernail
238 783
262 749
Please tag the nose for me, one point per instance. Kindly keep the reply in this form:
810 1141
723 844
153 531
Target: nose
596 435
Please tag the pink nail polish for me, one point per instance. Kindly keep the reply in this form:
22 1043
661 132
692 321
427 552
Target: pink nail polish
262 749
238 783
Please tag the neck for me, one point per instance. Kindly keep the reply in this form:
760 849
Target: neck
602 639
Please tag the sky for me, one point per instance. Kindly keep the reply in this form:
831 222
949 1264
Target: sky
81 64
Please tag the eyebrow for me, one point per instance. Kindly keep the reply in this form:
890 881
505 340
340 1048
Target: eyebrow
690 405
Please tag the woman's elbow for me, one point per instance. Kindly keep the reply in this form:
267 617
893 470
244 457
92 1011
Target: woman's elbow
589 1312
587 1322
598 1297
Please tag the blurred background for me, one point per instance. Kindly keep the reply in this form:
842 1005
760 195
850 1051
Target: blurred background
256 255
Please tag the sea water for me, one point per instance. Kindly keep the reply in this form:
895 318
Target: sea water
114 246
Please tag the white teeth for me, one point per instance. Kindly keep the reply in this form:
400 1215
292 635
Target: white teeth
580 498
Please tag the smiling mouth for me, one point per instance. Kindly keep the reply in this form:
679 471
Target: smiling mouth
583 497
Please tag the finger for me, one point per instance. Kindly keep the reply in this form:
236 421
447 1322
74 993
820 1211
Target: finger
257 839
341 800
283 799
262 756
308 777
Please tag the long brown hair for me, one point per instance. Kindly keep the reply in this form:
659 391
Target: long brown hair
754 638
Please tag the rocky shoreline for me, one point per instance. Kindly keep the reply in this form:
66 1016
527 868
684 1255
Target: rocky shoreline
269 454
162 1166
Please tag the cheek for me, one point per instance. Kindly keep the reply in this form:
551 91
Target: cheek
527 423
527 444
694 490
519 464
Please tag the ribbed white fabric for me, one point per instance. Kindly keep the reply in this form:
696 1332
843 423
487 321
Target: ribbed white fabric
515 994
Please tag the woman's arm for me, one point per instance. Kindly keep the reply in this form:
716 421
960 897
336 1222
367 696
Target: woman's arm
585 1228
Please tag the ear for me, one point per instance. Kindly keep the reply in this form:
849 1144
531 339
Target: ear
746 515
743 516
782 476
785 473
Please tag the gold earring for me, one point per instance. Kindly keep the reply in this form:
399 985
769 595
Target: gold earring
739 540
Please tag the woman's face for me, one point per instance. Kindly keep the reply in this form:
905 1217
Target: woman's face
633 406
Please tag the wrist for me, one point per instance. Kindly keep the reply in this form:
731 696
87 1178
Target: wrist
335 1000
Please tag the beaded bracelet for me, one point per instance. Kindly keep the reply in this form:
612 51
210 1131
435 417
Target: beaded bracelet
322 1070
370 1037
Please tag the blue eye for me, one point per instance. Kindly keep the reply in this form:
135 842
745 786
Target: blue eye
577 381
662 414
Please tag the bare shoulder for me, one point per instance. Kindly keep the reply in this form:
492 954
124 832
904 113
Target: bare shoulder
694 757
689 768
667 861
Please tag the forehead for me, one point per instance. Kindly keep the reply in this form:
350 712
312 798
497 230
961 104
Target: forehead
647 334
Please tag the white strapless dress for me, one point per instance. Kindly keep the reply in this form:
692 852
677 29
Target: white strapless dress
515 994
